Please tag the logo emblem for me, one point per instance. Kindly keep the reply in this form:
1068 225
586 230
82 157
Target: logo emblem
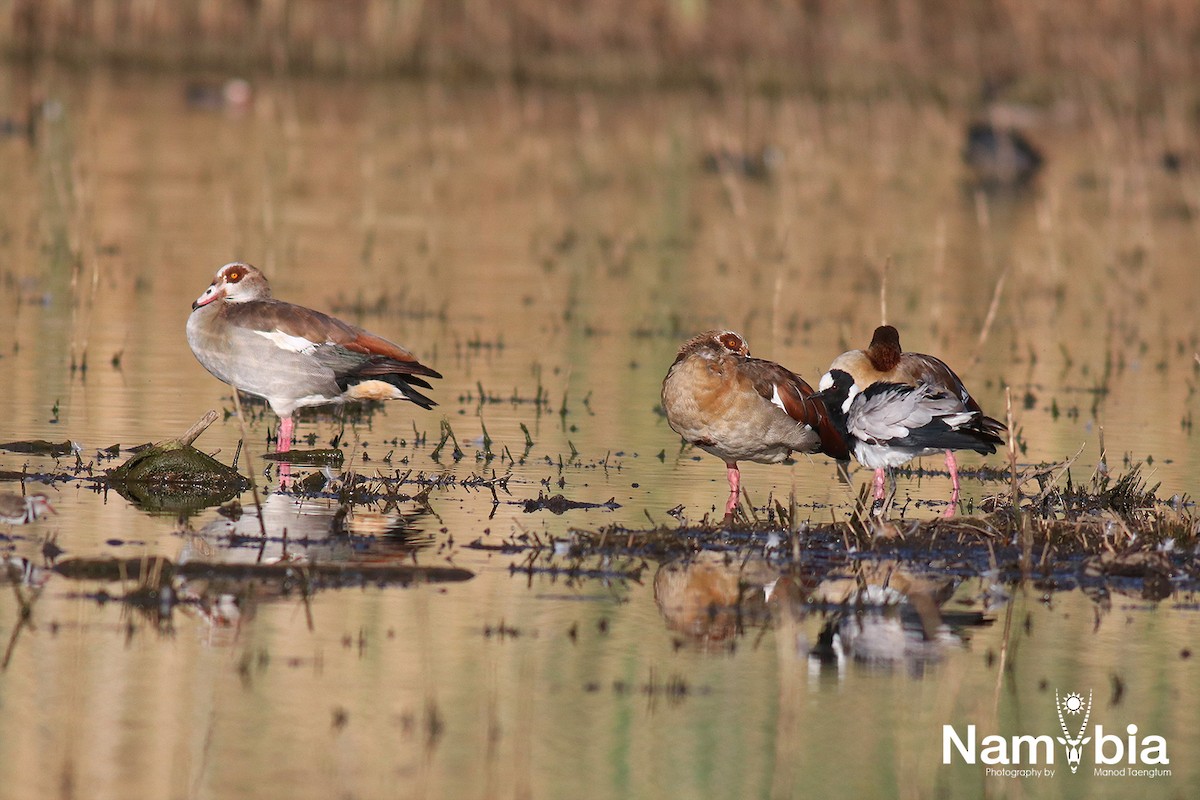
1072 705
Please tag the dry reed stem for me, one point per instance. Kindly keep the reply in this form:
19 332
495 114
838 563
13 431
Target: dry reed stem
939 280
986 330
737 201
1002 661
1062 468
983 218
1022 522
1102 466
883 282
370 213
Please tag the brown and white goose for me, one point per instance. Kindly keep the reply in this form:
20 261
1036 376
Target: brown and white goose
740 408
884 362
292 356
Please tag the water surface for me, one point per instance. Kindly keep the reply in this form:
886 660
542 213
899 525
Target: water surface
551 249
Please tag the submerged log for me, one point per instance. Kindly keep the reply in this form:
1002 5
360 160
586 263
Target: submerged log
39 447
160 570
321 457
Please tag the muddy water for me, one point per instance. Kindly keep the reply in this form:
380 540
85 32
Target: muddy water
552 249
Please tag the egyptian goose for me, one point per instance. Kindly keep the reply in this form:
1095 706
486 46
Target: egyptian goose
884 361
889 424
740 408
293 356
18 510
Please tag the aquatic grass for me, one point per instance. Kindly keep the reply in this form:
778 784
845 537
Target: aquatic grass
488 455
447 435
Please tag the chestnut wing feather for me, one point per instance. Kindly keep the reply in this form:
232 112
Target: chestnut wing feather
384 357
771 379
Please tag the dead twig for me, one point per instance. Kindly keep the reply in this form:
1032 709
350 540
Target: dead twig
198 427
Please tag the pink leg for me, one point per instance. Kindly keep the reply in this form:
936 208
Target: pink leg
952 466
880 484
284 442
735 485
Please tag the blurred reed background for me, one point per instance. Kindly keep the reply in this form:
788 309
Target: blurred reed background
1131 49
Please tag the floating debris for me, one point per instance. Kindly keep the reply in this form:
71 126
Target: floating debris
41 447
558 504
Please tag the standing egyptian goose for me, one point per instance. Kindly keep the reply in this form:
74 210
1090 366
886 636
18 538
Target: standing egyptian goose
293 356
740 408
884 362
18 510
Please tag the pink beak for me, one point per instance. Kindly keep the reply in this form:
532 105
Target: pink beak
212 293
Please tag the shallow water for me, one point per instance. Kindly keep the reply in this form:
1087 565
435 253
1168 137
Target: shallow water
560 245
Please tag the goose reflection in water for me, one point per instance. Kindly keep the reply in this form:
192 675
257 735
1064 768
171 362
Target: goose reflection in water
888 615
712 597
297 531
311 530
877 614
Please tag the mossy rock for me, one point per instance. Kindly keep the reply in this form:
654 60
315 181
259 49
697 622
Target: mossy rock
173 477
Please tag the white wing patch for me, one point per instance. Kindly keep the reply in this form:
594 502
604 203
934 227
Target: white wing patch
293 344
776 399
853 393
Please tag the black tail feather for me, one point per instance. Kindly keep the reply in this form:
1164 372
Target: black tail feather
405 384
937 435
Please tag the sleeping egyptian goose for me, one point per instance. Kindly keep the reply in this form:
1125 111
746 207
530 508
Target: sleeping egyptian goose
18 510
888 424
740 408
884 362
293 356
